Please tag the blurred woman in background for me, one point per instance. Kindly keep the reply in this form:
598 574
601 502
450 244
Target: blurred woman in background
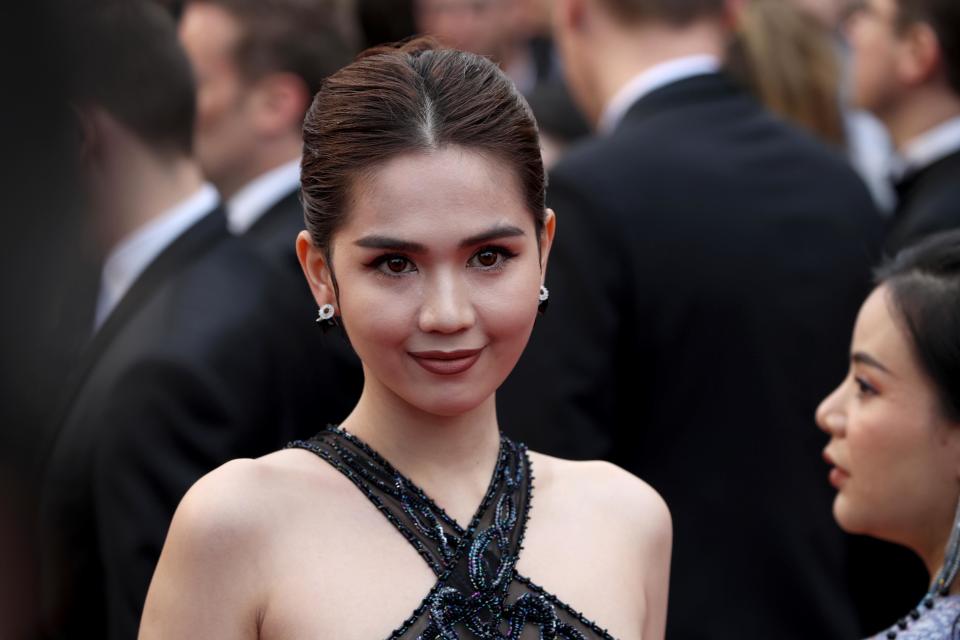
789 60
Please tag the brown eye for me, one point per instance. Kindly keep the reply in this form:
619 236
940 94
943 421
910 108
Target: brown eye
490 258
487 258
394 265
397 265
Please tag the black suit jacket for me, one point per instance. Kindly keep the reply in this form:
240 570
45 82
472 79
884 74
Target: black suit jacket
329 361
207 358
707 270
928 202
274 236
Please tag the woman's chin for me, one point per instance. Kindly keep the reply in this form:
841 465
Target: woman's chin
841 514
847 518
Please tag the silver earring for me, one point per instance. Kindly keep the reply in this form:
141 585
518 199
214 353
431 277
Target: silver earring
951 560
543 298
325 317
325 312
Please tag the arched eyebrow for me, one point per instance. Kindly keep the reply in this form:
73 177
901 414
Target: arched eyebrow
866 359
405 246
496 233
390 244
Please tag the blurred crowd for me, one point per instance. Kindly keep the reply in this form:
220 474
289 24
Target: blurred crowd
725 176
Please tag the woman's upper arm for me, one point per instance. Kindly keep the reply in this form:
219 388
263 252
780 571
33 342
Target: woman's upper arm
207 582
658 535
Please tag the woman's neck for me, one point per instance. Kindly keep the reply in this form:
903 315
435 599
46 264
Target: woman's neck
933 550
450 457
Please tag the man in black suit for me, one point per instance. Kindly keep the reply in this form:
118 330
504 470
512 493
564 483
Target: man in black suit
258 64
906 70
708 267
200 352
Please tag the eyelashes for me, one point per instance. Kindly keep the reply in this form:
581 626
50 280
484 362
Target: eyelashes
864 388
393 265
396 265
491 258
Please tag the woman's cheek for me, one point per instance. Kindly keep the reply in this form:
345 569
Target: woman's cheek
380 315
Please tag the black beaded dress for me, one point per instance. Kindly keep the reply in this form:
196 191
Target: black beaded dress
478 593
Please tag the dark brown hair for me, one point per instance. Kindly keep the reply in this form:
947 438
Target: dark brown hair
414 97
308 38
128 61
675 12
924 285
943 16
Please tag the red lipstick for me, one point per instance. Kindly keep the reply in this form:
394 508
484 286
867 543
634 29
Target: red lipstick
447 363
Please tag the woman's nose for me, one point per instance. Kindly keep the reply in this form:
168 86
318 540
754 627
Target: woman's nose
830 415
447 307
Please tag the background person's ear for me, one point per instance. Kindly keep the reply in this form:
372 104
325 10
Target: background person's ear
921 56
570 14
732 10
280 100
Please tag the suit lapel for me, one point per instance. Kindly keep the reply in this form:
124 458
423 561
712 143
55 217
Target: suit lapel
276 216
946 169
184 250
191 244
695 90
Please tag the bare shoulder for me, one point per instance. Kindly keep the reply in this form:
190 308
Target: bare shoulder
221 549
613 529
609 492
241 499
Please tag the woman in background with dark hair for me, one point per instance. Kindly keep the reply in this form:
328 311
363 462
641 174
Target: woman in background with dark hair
428 243
894 424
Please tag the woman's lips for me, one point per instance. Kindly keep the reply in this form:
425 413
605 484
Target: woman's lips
446 363
838 475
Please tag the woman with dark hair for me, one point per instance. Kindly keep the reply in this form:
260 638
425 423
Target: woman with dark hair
894 424
427 244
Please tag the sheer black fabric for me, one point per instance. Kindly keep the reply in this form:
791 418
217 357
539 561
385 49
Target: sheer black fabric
478 593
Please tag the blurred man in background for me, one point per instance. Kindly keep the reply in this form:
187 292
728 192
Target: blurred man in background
906 70
258 64
202 347
700 243
516 35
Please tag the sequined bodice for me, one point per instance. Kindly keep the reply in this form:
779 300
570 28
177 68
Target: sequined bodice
478 592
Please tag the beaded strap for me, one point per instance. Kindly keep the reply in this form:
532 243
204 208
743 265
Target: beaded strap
377 460
481 560
358 479
370 471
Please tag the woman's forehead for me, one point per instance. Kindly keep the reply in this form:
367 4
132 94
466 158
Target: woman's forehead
442 192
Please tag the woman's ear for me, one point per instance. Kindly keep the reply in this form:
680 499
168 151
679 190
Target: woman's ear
546 237
313 261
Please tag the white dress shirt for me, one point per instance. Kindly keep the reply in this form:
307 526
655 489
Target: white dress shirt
132 255
648 81
250 203
930 146
871 153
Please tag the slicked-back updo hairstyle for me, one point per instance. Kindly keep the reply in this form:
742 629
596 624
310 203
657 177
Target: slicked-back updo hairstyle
415 97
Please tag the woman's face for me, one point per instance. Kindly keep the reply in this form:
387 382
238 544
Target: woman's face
894 455
438 271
